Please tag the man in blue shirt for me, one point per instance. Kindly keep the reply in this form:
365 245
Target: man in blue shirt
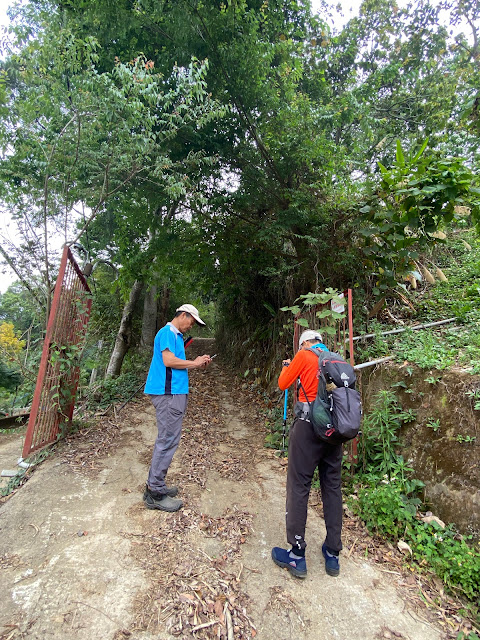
167 386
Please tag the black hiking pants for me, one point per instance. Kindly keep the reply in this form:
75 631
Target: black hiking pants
306 452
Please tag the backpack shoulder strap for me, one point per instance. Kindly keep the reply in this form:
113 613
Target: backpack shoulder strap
322 383
320 353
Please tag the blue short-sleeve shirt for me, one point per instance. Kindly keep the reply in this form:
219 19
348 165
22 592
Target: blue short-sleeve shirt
164 380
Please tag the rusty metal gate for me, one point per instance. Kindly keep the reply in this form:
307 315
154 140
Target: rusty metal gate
57 381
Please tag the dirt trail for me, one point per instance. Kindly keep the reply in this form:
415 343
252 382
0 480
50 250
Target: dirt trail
81 558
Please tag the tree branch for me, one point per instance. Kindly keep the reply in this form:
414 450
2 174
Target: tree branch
103 198
25 282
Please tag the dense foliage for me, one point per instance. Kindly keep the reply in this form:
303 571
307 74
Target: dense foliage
451 291
241 153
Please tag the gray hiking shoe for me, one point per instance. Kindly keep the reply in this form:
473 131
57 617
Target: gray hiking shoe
171 491
162 502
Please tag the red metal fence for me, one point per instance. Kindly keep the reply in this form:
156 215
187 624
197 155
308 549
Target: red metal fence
57 381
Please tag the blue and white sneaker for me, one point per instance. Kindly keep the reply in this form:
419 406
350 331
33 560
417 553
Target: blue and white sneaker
295 564
332 565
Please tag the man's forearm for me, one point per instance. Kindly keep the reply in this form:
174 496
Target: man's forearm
289 374
176 363
169 360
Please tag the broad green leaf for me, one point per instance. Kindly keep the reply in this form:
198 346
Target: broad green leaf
420 151
399 155
302 322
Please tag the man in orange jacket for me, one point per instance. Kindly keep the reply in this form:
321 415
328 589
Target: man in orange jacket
306 452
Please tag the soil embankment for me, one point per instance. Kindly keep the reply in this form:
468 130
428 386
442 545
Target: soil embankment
442 442
82 559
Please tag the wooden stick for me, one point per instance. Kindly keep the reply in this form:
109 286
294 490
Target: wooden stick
229 623
351 548
205 625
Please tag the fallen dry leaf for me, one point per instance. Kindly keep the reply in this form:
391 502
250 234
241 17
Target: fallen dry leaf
430 519
404 548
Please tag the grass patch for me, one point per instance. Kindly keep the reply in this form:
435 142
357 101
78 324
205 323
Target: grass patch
457 344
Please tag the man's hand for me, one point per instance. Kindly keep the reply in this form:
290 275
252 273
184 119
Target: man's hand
285 363
201 361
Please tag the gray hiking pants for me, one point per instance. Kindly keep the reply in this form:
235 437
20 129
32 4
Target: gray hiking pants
170 410
306 452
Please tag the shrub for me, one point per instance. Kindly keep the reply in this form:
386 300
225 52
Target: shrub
450 557
387 503
112 390
384 510
389 514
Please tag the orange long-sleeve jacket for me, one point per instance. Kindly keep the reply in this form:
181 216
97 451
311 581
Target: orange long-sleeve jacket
304 366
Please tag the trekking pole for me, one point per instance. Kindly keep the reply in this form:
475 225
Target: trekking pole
284 419
132 396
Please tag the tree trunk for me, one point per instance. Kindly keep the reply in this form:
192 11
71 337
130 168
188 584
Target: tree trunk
149 321
163 317
93 375
124 336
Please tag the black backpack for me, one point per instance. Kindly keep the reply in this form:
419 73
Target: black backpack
336 412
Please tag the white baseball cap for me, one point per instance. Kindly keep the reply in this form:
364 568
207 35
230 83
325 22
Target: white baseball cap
193 311
309 335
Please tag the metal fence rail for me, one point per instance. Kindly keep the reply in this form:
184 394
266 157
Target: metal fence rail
57 381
